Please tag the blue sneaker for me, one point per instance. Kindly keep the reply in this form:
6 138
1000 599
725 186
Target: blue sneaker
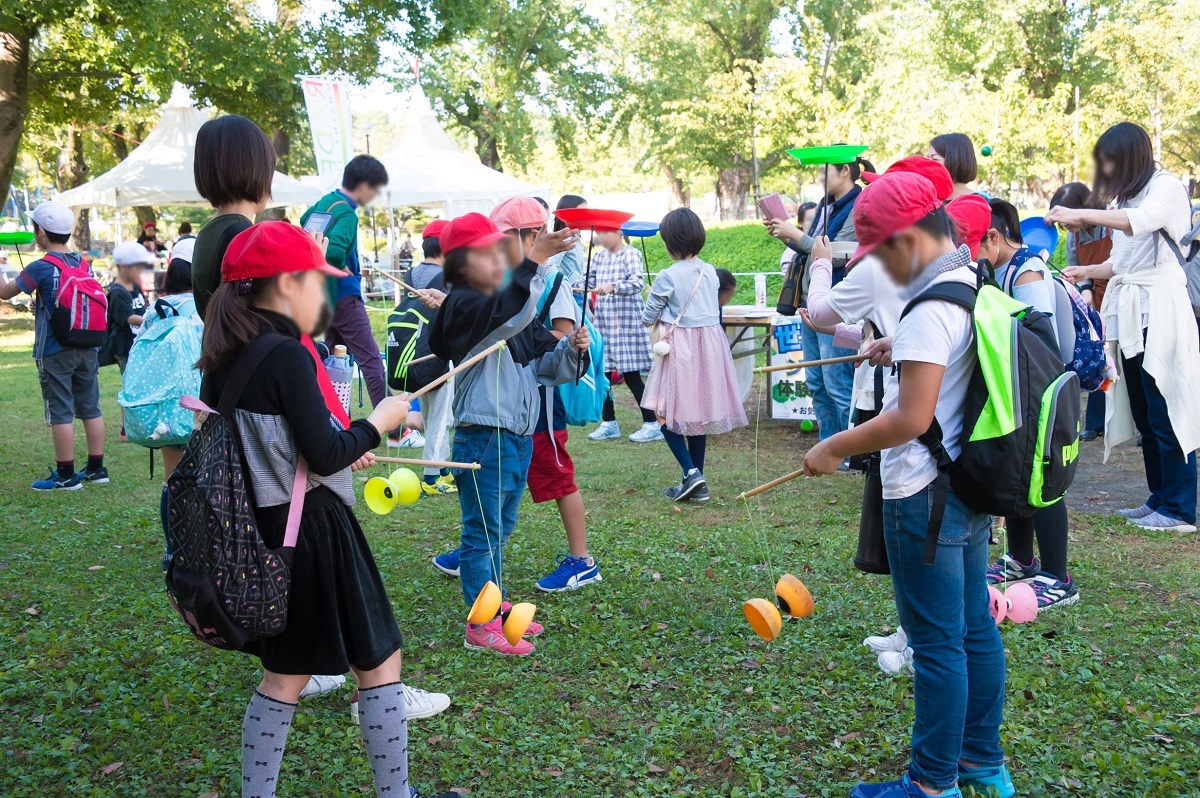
96 476
904 788
990 781
572 573
57 481
447 563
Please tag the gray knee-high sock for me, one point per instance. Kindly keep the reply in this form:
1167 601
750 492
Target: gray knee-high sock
264 734
385 731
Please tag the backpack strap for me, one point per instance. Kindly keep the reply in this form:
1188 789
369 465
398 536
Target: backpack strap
162 306
544 316
245 366
1193 249
964 296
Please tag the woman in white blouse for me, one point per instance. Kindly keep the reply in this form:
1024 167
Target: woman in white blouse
1149 321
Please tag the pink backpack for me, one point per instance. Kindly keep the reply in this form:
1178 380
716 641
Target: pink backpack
80 316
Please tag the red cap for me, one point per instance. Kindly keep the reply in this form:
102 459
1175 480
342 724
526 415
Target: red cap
893 202
972 216
926 167
434 229
270 248
472 230
519 213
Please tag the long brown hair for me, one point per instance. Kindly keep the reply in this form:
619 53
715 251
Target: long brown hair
229 323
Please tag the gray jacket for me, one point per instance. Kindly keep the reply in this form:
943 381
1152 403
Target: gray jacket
499 392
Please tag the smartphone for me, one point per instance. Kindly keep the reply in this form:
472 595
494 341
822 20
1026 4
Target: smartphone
771 207
318 222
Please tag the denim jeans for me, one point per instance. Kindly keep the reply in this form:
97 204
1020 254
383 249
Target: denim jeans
489 498
831 387
1093 417
1170 475
958 657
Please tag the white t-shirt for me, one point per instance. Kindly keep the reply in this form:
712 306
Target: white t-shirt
940 333
867 294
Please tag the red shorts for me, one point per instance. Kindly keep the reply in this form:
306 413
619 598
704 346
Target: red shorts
551 469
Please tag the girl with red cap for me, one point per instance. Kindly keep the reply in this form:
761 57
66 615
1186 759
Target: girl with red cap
339 618
958 657
496 401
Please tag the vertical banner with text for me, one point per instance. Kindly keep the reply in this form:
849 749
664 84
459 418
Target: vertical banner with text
328 103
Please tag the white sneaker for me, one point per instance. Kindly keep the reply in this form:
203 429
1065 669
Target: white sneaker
607 431
422 703
1162 523
322 685
649 431
417 703
897 641
413 439
895 663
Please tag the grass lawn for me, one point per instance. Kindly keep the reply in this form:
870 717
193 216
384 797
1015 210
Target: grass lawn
649 684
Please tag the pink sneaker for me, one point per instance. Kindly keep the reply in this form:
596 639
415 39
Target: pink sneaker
490 637
534 629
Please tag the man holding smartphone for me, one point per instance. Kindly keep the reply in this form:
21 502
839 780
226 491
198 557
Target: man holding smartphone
362 180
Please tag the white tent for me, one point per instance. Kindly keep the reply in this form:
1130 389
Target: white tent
159 171
426 167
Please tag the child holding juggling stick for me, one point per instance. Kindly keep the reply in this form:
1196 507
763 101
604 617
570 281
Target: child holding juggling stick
339 617
692 388
496 401
958 657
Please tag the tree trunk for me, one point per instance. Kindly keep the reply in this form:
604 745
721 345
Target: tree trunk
283 149
488 150
72 172
680 196
733 183
144 213
14 100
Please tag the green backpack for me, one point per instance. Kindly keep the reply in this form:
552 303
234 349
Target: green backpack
1020 438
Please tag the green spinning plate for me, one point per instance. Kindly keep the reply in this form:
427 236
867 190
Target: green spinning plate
832 154
16 238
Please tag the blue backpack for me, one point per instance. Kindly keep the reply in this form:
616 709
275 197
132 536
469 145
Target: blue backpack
583 401
161 371
1087 359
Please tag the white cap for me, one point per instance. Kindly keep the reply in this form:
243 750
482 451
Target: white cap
183 249
131 253
54 217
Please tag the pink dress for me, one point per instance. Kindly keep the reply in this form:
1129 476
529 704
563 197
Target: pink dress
693 390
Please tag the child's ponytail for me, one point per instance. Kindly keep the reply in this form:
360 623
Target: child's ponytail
1006 220
229 323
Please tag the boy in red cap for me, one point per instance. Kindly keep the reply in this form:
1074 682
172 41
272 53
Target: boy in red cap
958 657
495 401
272 293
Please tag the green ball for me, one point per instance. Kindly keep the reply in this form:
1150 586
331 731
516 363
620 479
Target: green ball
807 426
986 150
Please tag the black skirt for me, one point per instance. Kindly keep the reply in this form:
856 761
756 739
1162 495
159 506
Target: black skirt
339 614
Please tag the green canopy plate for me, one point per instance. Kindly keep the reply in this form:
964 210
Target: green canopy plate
17 238
831 154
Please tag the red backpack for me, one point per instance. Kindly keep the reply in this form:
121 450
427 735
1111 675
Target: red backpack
80 316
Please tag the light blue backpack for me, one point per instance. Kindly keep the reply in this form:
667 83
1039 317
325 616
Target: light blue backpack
583 400
161 371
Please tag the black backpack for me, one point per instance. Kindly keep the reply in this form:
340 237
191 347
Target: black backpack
408 340
226 583
1020 436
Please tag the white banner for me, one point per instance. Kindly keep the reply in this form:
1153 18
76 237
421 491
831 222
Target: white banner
328 104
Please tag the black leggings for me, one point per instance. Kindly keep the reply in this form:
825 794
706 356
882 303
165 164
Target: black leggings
1049 524
634 380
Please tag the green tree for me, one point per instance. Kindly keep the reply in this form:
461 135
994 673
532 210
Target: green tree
490 78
